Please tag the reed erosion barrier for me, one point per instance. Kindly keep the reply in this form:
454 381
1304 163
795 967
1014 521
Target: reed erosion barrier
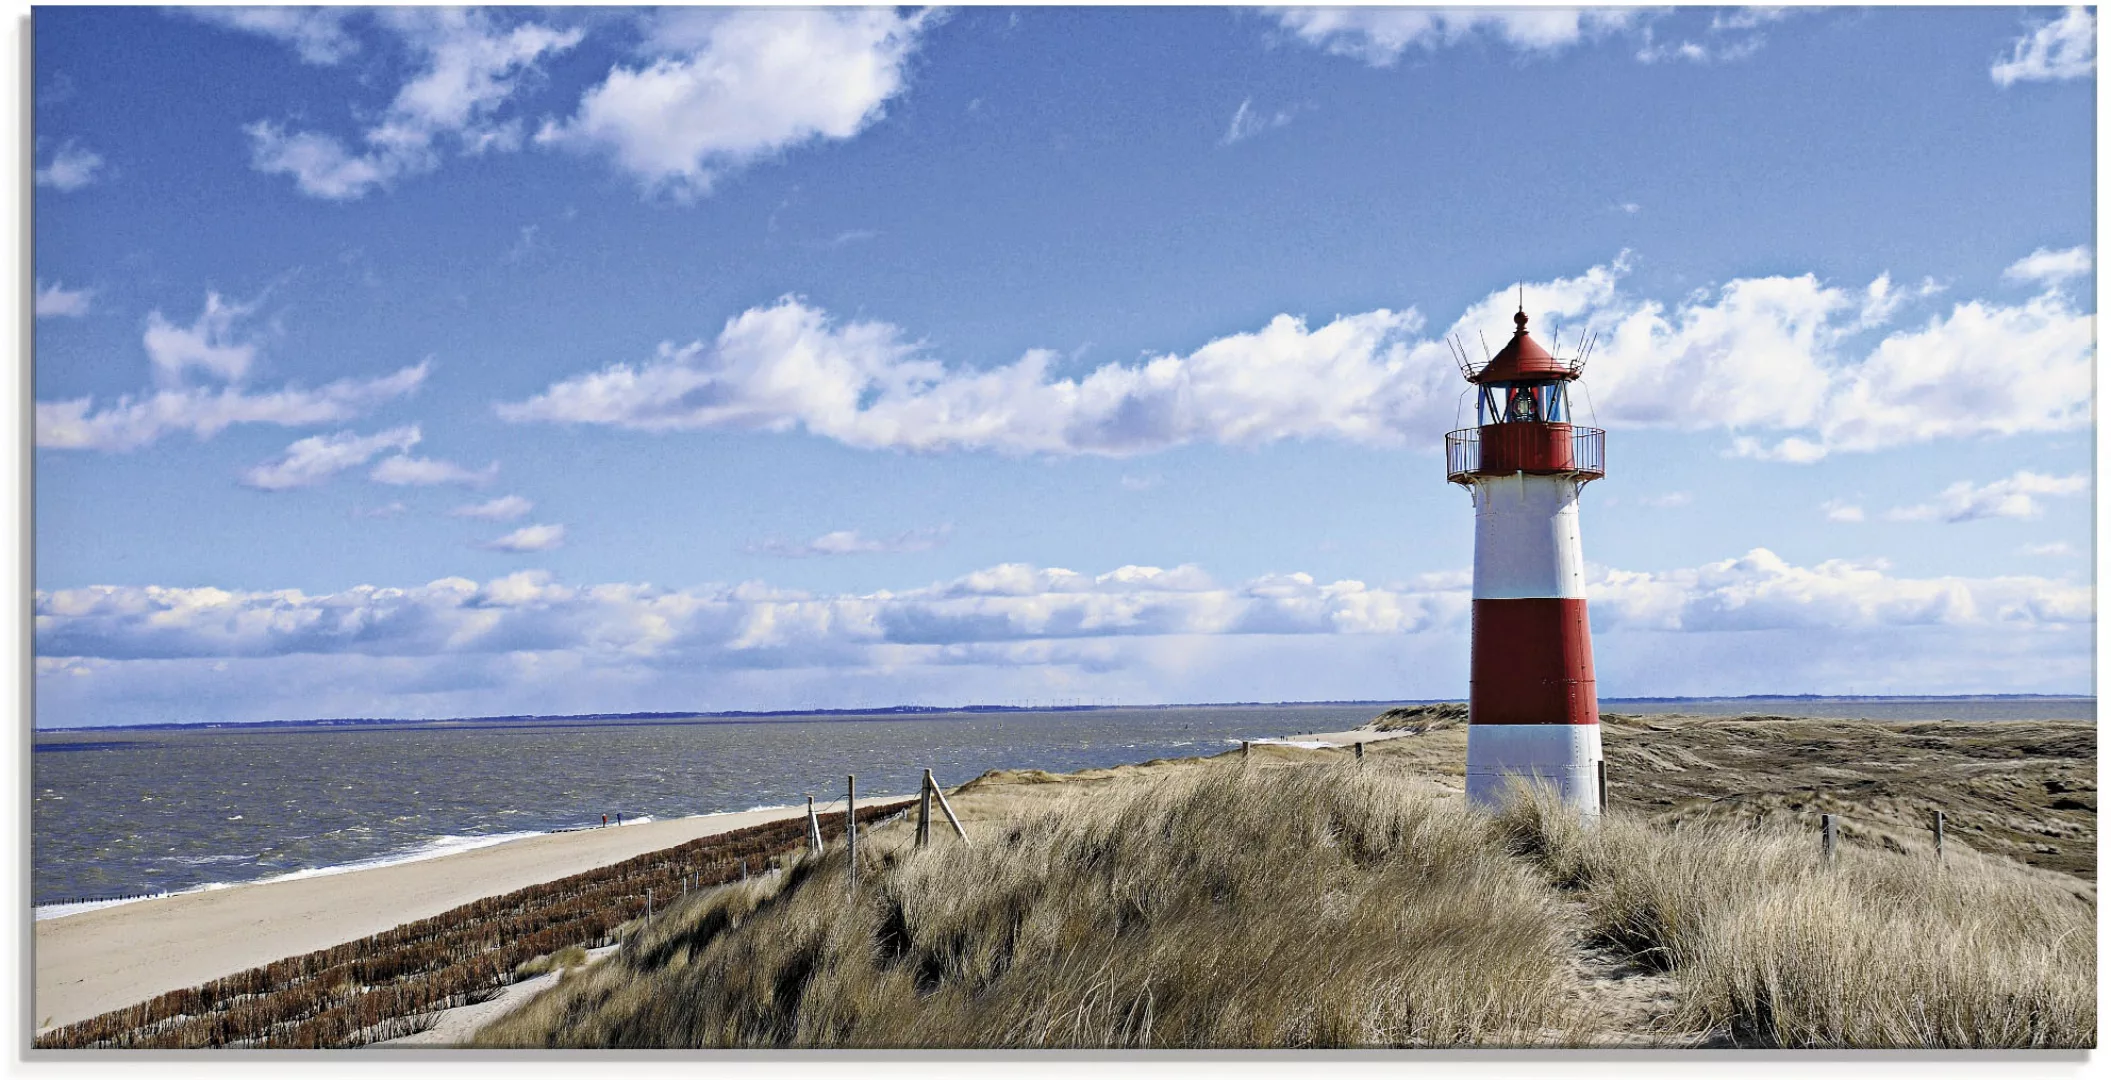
393 983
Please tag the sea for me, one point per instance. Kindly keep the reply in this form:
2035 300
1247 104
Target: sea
121 812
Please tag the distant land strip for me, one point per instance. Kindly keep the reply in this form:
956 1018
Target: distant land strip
881 714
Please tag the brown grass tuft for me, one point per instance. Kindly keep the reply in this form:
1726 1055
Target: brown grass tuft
1421 718
1772 947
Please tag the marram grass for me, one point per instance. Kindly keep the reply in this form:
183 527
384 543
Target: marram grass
1325 905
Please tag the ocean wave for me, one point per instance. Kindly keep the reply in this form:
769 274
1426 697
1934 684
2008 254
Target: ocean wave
437 847
54 911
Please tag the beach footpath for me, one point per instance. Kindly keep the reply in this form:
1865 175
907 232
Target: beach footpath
103 959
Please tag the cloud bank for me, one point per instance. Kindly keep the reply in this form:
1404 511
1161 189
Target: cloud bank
1818 367
753 623
525 641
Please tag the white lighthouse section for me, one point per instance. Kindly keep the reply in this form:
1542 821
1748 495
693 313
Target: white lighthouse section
1528 576
1527 538
1564 757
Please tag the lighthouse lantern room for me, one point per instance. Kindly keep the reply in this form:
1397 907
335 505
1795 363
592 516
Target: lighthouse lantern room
1533 701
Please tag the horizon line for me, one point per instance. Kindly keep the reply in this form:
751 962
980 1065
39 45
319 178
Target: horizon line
902 710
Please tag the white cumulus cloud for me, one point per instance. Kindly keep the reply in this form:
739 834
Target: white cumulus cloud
133 422
56 300
318 34
503 508
529 538
790 366
73 167
208 344
2051 52
1378 35
728 86
2048 267
852 542
2012 497
312 460
470 67
403 470
1843 511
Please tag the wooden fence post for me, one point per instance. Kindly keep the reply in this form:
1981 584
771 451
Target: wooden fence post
648 905
1938 835
944 805
923 812
1245 751
850 833
1830 825
813 828
1359 752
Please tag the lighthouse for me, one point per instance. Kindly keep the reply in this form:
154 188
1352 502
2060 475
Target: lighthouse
1533 703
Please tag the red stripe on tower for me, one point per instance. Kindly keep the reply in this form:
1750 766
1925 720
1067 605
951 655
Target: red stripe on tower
1533 707
1532 662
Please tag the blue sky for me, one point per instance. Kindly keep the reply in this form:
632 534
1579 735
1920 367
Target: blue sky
430 363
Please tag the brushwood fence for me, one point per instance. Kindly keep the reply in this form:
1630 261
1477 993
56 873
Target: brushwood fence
391 983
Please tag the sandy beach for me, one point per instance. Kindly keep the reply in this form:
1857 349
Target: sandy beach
95 961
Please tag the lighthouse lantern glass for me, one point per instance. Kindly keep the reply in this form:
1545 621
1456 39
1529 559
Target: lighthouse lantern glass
1515 403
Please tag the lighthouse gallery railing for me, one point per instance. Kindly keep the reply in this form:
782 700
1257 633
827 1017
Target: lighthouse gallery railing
1501 449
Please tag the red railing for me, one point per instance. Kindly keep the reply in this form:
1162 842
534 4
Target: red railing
1539 448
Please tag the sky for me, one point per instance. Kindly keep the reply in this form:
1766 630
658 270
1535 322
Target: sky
430 362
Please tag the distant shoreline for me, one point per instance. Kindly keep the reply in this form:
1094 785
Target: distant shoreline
900 712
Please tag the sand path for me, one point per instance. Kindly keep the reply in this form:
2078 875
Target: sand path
108 958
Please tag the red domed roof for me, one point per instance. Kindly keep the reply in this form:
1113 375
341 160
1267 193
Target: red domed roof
1523 360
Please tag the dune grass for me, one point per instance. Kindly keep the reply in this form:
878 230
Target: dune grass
1771 946
1322 905
1310 906
563 959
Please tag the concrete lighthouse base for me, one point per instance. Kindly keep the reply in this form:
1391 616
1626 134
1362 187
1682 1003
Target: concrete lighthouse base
1565 757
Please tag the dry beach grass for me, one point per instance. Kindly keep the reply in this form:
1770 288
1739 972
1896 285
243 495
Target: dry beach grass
1299 900
1313 906
1772 946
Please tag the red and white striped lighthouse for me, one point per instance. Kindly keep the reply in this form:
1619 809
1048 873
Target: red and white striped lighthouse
1533 706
